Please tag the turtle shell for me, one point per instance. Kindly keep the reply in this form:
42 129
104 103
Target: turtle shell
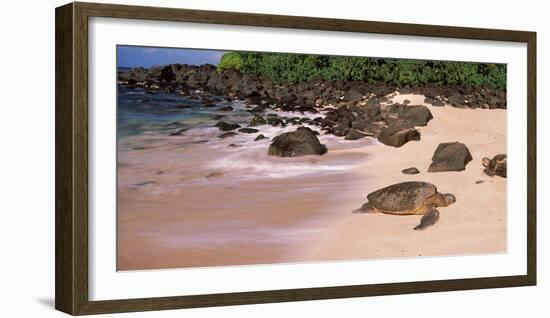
405 196
498 165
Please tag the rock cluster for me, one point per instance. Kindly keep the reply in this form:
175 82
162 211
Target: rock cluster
351 109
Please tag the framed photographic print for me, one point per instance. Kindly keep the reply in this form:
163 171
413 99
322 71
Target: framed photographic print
211 158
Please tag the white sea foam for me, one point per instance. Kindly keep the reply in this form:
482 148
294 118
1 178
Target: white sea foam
253 162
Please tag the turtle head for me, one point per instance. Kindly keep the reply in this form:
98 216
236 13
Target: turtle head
447 199
486 162
365 208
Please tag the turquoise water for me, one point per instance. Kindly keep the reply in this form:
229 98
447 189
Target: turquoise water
139 112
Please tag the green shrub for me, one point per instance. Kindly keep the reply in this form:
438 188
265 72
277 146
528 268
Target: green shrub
230 60
495 75
285 67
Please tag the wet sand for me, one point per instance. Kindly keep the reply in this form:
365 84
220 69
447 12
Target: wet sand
183 202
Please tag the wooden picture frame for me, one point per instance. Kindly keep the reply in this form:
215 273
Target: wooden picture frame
72 280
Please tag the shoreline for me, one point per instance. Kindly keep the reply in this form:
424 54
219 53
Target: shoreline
473 225
304 226
265 214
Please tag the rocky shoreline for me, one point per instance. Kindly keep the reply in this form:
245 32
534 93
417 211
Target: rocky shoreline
269 209
287 162
349 109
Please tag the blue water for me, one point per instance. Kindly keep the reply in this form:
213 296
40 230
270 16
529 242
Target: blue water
140 113
157 115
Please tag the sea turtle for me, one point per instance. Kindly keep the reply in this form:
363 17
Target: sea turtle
408 198
495 166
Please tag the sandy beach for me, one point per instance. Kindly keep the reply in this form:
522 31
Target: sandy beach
231 204
475 224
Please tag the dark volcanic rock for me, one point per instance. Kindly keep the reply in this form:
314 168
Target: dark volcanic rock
293 121
373 102
431 92
260 137
259 109
371 112
215 83
227 134
226 108
496 102
223 126
417 115
179 132
452 156
254 99
275 121
250 86
398 134
438 102
340 129
168 72
367 126
311 130
248 130
257 120
354 134
434 101
383 99
457 100
353 96
296 143
139 74
381 91
411 170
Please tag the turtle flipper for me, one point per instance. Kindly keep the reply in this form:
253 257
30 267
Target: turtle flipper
428 219
365 208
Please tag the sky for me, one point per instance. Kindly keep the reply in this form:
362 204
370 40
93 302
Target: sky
135 56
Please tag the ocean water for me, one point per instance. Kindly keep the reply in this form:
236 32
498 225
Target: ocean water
141 113
145 121
195 197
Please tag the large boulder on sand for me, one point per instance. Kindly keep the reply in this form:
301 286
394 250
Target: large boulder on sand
451 156
398 134
417 115
297 143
